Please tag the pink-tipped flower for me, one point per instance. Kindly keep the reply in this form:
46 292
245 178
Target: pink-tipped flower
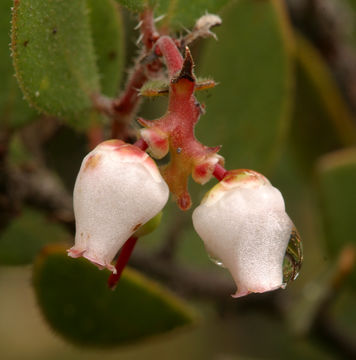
118 189
243 224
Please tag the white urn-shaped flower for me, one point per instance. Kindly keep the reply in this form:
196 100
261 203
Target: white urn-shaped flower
243 223
118 189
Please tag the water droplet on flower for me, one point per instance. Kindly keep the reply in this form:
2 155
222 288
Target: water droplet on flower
293 258
216 261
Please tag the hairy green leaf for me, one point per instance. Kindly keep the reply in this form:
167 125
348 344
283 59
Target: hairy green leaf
14 111
54 57
107 30
76 301
26 235
249 111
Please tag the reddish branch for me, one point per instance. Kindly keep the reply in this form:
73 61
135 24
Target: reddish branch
123 109
174 132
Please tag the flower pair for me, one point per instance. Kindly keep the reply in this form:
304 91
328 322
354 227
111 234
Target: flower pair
242 220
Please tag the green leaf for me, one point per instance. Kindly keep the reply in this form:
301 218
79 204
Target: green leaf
322 121
107 30
133 5
14 111
54 57
336 183
150 226
249 111
26 235
75 300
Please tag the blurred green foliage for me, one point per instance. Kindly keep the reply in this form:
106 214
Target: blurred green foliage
78 304
25 237
336 180
278 109
322 121
255 97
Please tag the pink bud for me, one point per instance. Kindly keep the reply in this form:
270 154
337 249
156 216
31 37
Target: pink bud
243 223
118 189
157 141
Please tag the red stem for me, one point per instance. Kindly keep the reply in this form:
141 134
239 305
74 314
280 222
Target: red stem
141 144
121 261
219 172
125 107
148 29
95 136
171 54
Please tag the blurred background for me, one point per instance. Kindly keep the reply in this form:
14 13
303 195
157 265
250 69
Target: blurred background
285 105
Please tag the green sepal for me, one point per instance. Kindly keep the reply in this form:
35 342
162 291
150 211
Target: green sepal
150 226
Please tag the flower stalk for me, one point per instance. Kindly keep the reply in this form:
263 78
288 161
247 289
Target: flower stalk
122 261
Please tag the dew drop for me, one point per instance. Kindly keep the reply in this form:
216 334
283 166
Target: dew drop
216 261
293 258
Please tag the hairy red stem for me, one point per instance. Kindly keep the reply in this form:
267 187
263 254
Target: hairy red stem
121 261
126 105
171 54
148 29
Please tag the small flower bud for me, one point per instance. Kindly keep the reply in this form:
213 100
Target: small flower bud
157 141
203 170
118 189
243 223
